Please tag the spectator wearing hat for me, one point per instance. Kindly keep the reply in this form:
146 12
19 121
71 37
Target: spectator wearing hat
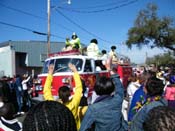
113 54
92 49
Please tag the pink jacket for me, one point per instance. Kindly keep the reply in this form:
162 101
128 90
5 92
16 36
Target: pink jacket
170 93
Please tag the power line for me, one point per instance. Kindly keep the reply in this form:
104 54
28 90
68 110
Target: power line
43 18
81 27
20 11
19 27
36 16
30 30
39 17
98 11
96 6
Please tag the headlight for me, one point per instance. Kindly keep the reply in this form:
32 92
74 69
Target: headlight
39 80
38 88
66 80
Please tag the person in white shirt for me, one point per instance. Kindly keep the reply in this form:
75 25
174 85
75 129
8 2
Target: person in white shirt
26 96
132 87
92 49
104 55
113 54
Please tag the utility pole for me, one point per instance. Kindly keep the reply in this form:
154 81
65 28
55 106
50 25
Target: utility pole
48 27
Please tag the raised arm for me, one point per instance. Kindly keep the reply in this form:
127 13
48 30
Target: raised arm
47 86
78 86
25 81
119 89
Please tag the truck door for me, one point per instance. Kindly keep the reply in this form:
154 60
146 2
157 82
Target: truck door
88 75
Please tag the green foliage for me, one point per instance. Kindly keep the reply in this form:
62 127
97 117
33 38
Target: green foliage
149 28
161 60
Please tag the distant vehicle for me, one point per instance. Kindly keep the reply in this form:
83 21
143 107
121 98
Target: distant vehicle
88 68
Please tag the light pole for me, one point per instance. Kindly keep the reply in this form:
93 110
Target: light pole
48 27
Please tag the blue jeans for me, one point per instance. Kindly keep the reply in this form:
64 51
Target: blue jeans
19 98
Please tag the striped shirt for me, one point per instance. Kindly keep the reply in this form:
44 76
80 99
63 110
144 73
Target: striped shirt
10 125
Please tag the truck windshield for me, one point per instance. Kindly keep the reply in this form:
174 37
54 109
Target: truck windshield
61 64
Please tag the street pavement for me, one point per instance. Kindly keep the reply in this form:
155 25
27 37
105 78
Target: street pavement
21 117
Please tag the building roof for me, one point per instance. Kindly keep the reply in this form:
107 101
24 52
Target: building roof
35 50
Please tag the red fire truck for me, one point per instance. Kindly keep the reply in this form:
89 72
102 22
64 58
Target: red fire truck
89 69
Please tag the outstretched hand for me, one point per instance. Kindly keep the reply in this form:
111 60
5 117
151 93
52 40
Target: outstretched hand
50 69
72 67
109 66
108 63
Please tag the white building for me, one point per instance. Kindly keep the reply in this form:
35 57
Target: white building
20 57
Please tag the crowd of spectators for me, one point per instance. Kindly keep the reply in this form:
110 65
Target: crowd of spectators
150 95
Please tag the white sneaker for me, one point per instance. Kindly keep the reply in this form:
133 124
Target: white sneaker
18 113
22 113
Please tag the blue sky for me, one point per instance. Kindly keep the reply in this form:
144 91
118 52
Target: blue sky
88 18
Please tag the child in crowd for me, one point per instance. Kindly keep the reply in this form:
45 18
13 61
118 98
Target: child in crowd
65 93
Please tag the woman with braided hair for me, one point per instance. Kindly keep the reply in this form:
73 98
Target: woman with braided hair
49 116
160 118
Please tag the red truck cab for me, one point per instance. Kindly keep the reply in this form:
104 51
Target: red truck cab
88 68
